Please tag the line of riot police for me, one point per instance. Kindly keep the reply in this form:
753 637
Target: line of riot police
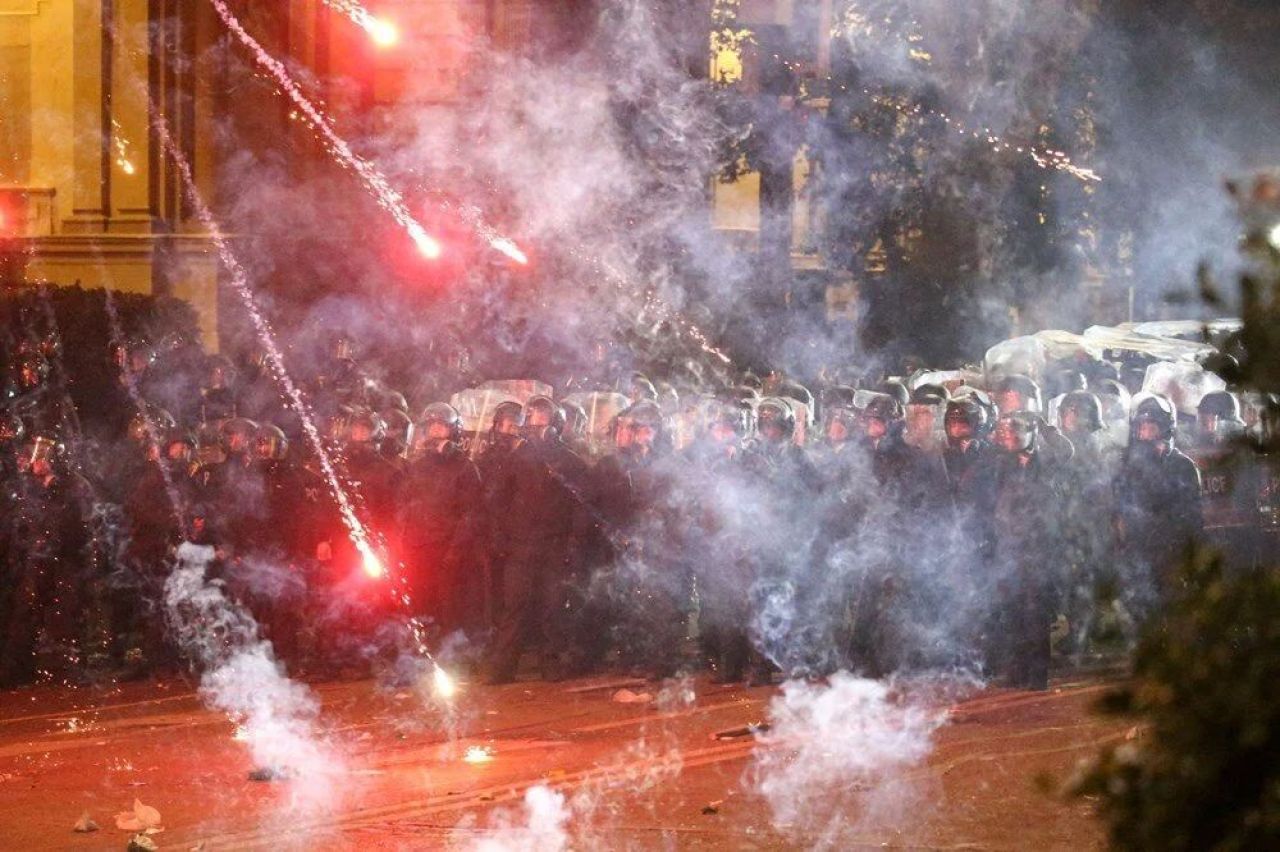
928 527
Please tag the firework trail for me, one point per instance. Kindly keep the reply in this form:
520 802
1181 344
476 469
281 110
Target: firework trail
386 196
356 530
275 359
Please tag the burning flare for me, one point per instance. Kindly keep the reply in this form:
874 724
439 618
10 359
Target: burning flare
383 33
369 560
478 754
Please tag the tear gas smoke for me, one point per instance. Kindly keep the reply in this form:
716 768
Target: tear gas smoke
834 761
275 716
539 827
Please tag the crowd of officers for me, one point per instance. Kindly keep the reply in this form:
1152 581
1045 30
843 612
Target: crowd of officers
749 531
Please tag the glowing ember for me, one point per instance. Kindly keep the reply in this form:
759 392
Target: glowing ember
478 754
429 247
444 685
369 560
1274 236
122 149
384 33
510 249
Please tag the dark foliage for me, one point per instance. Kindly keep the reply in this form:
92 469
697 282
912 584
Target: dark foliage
78 320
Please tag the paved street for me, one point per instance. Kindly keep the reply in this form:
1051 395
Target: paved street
673 772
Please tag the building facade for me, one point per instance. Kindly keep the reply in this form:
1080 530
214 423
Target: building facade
86 192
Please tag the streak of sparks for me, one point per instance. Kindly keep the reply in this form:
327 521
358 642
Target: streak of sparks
654 302
1046 158
275 359
386 196
356 530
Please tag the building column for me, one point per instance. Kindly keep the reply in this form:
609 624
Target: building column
91 192
130 208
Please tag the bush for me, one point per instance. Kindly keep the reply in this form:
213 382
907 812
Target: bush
1205 774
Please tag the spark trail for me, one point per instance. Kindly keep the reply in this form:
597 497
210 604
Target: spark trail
275 359
359 534
386 195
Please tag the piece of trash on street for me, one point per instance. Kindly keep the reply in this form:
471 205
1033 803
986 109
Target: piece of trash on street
268 773
712 807
141 843
745 731
143 818
85 824
626 696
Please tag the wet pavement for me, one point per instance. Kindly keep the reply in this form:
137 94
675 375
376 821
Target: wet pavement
676 771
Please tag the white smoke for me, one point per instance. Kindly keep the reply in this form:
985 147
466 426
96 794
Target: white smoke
836 757
276 716
539 826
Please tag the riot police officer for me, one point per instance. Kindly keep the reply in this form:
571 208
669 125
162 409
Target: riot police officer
1230 480
1157 499
1021 393
1087 530
542 500
1026 523
51 558
494 465
439 512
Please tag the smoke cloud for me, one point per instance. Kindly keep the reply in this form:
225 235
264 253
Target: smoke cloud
276 716
834 763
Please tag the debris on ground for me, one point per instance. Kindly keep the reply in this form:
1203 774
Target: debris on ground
745 731
626 696
141 843
142 818
85 824
269 773
712 807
